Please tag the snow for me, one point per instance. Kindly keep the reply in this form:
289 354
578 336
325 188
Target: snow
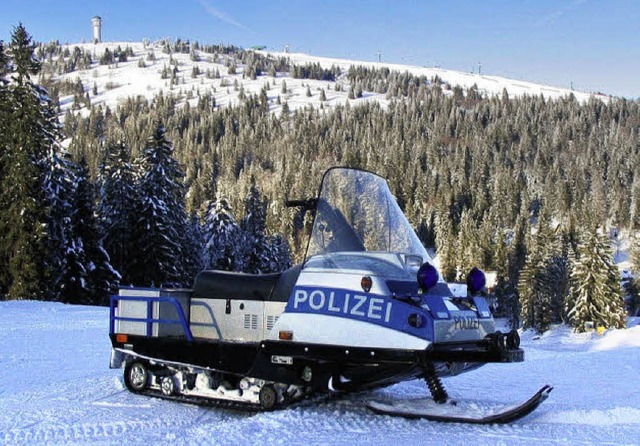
491 85
119 81
56 388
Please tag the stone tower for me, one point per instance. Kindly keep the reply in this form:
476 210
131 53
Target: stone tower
97 29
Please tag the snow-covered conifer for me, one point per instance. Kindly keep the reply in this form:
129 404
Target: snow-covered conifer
222 237
193 248
29 132
66 252
254 226
445 245
468 251
102 279
117 206
595 294
161 218
5 110
543 284
280 254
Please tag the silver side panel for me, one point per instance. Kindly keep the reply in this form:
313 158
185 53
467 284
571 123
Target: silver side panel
331 330
463 326
241 320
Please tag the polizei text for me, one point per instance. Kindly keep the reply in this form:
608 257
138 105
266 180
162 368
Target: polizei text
342 303
466 323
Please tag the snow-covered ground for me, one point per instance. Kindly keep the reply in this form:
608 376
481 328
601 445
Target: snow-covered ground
56 388
117 82
487 84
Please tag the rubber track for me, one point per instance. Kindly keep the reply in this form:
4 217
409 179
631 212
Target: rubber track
230 404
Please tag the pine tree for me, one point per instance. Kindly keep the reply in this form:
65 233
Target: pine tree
528 288
501 266
517 256
595 294
254 226
445 246
27 140
161 218
102 279
222 235
5 110
634 255
281 254
468 251
544 279
633 287
193 246
66 251
117 208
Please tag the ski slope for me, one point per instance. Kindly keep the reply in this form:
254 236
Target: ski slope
110 85
56 388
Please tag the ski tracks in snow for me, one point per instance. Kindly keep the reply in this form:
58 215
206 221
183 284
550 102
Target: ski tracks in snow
57 389
108 414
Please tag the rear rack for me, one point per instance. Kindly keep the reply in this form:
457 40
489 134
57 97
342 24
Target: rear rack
149 320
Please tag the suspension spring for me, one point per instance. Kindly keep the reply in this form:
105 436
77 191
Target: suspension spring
438 393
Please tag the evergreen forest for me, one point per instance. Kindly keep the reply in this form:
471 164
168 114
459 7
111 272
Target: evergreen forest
148 193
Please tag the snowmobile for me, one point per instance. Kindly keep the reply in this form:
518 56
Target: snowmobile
365 309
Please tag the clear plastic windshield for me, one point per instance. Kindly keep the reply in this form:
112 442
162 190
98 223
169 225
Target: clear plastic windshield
360 226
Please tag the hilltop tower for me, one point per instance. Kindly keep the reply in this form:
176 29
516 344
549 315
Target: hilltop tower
97 29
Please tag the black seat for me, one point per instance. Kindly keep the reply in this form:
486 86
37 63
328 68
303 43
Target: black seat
211 284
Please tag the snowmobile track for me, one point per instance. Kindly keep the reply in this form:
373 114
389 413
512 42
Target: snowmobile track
234 405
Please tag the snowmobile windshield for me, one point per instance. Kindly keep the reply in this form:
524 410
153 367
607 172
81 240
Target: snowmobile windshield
359 226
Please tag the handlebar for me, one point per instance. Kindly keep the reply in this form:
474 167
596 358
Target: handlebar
309 203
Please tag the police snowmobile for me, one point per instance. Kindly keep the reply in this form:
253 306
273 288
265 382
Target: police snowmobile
365 309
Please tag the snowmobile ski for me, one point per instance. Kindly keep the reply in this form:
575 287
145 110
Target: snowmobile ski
459 411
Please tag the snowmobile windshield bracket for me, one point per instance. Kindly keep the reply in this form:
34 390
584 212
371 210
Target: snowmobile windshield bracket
308 205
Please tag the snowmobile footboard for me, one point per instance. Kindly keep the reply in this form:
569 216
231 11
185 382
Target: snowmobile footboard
474 351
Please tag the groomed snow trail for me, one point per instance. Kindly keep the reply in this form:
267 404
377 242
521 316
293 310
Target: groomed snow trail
56 388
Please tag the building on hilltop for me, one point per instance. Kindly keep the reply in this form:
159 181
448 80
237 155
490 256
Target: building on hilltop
97 29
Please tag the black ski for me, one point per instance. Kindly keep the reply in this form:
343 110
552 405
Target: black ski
454 413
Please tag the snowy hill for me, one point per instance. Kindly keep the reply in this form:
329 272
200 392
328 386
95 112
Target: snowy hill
489 85
57 389
110 84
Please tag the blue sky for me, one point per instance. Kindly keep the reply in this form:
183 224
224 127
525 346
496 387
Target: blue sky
590 44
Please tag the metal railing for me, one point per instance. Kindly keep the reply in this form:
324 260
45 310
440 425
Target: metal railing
149 320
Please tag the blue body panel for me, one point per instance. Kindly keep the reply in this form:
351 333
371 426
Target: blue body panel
364 307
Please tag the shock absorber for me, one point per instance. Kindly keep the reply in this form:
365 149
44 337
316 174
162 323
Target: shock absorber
438 393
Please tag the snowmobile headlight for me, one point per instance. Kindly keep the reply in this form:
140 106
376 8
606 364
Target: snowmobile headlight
366 283
427 276
475 281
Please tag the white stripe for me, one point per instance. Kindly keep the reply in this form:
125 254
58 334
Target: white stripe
332 330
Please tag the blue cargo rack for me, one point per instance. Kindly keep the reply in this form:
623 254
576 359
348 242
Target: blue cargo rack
149 320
